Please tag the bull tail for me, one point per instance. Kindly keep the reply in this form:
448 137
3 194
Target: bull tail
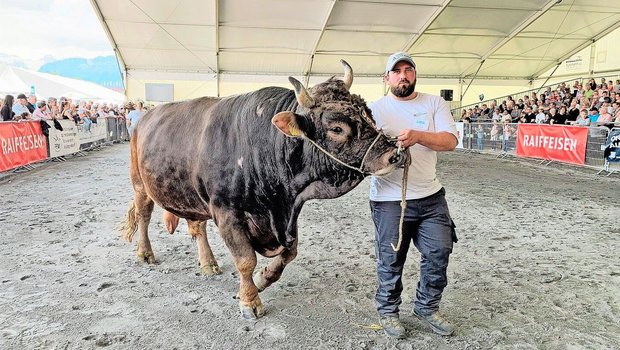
129 226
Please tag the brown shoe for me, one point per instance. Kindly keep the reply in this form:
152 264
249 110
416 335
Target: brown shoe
392 327
437 323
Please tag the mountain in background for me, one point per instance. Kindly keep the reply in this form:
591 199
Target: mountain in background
101 70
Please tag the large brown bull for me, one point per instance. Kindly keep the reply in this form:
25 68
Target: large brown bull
249 163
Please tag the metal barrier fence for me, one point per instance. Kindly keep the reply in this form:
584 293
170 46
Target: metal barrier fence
500 139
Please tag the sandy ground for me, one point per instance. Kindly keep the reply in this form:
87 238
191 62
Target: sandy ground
537 267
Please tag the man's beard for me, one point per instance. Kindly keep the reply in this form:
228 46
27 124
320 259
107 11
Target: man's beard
402 90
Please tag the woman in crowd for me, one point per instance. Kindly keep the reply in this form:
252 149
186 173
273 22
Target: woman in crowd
6 111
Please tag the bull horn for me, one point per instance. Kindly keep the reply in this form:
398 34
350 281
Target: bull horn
303 97
348 74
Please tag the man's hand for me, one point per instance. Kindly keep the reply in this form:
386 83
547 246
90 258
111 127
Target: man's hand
437 141
409 137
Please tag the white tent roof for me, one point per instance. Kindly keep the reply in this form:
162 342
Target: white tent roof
16 81
448 38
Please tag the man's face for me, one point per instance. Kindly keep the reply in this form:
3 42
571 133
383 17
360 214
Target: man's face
401 79
22 101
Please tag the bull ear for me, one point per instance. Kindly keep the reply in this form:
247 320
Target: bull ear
303 97
348 74
286 122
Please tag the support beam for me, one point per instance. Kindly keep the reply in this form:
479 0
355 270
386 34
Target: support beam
217 47
119 57
526 23
579 48
308 67
414 38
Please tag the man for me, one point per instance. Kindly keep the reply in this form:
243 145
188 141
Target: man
20 107
423 123
31 103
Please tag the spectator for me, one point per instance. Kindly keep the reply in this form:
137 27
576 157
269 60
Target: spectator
604 117
52 107
507 133
41 112
480 137
20 108
494 135
133 116
6 111
559 118
573 111
31 103
583 119
84 120
541 116
593 115
529 115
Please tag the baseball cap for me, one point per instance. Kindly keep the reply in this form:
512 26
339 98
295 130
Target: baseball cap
397 57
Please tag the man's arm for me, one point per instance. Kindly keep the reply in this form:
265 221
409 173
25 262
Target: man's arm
437 141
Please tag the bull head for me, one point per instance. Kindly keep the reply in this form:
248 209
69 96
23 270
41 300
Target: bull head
286 121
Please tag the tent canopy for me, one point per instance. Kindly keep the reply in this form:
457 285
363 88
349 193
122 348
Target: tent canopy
447 38
16 81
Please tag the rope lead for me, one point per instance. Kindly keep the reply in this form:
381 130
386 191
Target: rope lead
403 202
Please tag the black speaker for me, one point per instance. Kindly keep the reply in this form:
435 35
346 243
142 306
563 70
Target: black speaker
446 94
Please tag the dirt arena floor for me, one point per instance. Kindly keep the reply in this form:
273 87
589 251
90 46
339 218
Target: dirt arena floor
537 267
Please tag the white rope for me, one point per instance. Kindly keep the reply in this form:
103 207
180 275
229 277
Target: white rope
403 202
341 162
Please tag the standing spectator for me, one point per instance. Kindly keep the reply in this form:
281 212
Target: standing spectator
41 112
494 135
134 116
31 103
508 130
20 108
541 116
52 107
480 137
7 111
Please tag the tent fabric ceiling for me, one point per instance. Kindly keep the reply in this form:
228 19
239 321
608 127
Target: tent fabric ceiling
448 39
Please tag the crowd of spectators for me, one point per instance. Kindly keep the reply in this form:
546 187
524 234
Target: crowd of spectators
24 108
593 103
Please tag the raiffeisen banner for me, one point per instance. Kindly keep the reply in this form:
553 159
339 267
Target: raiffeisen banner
552 142
21 143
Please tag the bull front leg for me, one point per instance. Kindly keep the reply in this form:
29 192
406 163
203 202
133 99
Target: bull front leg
272 272
244 258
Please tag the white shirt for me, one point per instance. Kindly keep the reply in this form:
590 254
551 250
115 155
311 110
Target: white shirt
426 113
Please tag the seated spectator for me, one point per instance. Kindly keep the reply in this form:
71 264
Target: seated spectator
31 103
541 116
41 112
6 110
583 119
593 115
529 115
560 118
20 107
604 116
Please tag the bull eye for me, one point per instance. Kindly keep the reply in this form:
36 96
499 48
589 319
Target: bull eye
336 130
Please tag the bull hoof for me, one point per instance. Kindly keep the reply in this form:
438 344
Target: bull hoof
210 270
147 257
252 312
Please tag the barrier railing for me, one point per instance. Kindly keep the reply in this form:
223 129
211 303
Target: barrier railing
18 140
491 138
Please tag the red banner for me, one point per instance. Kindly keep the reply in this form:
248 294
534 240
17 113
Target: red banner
21 143
552 142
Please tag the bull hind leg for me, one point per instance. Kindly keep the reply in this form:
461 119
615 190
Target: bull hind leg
208 264
143 210
272 272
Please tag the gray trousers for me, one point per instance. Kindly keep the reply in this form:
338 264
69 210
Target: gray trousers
428 224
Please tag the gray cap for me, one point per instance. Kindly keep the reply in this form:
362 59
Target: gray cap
397 57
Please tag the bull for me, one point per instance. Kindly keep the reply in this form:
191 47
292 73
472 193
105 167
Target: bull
249 163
